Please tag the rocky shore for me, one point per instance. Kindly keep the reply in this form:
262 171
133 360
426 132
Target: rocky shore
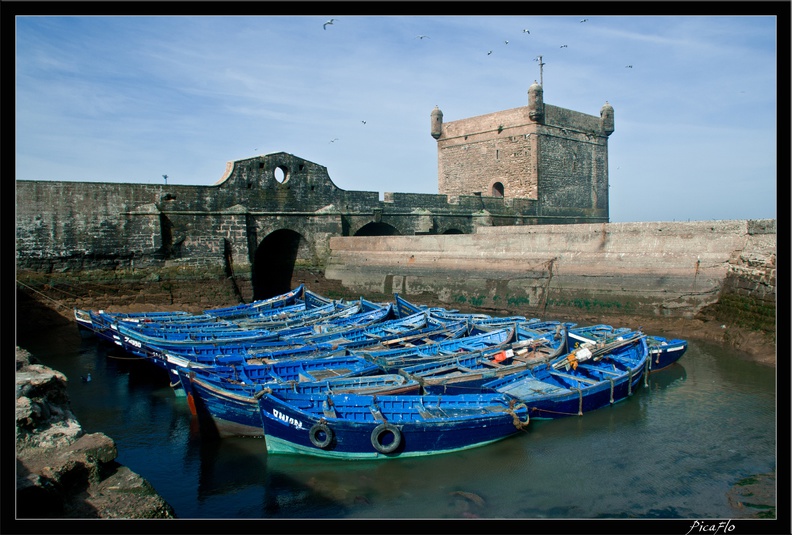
63 472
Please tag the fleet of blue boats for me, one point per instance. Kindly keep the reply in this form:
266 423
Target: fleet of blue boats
355 379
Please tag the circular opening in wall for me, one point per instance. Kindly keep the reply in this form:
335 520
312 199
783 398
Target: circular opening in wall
281 174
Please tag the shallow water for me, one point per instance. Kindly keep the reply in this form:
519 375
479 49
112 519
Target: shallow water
671 451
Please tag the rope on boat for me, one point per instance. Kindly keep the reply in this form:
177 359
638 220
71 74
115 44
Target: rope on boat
536 409
519 424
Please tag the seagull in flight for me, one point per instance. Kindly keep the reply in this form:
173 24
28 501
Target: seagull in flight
324 26
490 52
506 42
526 31
584 20
422 37
564 46
333 140
628 66
364 122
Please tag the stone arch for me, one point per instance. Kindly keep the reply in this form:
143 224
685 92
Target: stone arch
497 189
377 229
273 263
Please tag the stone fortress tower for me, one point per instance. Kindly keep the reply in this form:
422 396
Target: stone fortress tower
552 155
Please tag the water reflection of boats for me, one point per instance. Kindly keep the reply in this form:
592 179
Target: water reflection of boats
236 467
671 375
230 466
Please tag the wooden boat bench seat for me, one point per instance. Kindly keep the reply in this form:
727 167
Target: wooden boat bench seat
429 413
601 370
319 374
575 377
528 388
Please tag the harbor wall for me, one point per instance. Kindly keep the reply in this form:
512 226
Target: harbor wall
678 269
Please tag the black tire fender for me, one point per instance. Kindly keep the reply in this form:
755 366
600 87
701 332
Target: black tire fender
316 431
382 430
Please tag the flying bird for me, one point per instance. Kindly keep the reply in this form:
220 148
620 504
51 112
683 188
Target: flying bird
364 122
628 66
422 37
333 140
490 52
506 42
564 46
324 26
526 31
584 20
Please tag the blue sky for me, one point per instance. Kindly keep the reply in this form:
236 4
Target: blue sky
132 98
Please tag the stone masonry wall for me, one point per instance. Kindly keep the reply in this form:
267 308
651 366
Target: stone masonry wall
475 152
560 162
656 269
79 226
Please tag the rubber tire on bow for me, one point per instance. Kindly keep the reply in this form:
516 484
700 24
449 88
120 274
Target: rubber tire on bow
378 433
313 434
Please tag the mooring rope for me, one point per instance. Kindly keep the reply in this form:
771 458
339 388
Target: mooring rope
43 295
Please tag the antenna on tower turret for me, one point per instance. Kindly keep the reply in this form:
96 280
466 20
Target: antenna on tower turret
541 73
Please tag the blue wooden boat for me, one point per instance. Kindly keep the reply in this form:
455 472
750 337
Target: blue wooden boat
226 407
177 336
83 319
548 326
464 373
435 332
167 338
325 344
392 360
360 427
405 307
242 310
369 314
590 377
294 370
290 337
370 334
307 316
412 331
102 323
146 342
662 351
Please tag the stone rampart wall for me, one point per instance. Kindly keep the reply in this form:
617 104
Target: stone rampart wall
664 268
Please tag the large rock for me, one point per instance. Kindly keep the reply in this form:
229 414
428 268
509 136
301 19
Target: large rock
62 472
